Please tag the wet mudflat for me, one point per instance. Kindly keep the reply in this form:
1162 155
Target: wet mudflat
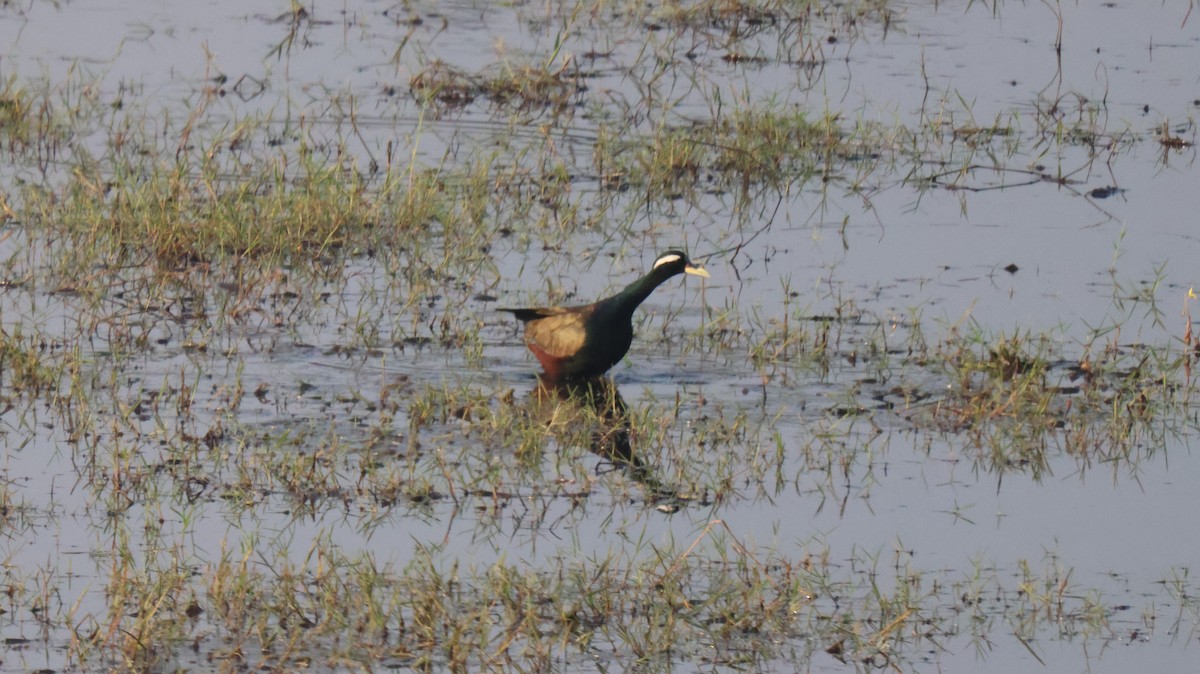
932 412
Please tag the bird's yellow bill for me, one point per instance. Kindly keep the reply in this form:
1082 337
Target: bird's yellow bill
696 271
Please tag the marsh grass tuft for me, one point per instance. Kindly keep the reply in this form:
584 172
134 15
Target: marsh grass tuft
1020 407
524 88
177 216
779 148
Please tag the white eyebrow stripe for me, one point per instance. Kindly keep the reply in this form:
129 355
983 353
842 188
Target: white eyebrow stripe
666 259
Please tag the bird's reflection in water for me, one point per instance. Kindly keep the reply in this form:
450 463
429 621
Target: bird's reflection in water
598 402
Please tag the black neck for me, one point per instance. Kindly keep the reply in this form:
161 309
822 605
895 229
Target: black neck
637 292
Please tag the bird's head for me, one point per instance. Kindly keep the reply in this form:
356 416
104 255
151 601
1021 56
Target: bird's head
676 261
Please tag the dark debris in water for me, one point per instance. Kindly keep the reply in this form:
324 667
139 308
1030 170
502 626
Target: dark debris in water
1105 192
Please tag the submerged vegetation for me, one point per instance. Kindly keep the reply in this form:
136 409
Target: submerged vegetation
254 389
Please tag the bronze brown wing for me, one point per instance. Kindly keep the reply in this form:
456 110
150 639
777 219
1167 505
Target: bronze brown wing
555 335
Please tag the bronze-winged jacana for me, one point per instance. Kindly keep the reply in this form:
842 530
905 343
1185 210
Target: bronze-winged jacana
585 341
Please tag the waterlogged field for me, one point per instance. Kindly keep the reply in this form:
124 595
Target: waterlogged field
932 412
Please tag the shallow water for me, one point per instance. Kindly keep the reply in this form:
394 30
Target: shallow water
911 502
